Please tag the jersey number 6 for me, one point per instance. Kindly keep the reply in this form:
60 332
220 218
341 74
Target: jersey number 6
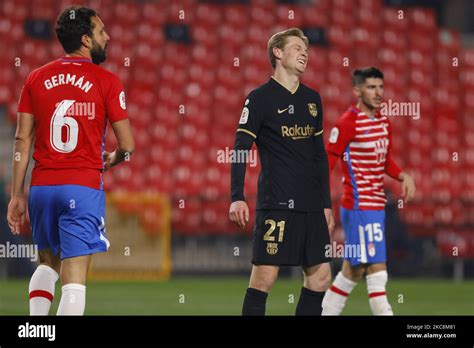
60 120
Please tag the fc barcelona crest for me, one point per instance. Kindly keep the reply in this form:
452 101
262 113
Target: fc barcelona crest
272 248
312 109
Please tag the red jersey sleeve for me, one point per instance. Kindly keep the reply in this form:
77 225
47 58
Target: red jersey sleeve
116 108
391 168
25 104
341 136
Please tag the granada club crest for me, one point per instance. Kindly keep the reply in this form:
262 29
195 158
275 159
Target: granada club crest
371 249
312 109
381 148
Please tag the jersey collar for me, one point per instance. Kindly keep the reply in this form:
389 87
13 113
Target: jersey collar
281 84
76 59
357 111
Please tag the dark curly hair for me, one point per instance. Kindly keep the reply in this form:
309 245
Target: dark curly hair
71 24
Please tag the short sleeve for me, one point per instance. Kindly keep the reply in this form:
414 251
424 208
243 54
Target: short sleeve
116 107
341 135
252 116
25 104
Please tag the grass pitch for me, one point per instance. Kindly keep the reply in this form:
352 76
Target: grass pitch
224 296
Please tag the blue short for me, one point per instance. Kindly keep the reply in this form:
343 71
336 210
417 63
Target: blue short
69 219
365 236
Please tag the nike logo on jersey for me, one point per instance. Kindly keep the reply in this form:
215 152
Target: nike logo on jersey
282 111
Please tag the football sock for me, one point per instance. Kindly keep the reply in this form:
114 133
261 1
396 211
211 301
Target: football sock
336 296
41 289
310 302
255 302
377 297
73 300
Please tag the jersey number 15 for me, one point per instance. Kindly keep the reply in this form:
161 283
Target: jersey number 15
374 232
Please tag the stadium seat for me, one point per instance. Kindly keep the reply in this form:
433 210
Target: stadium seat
164 76
455 243
396 18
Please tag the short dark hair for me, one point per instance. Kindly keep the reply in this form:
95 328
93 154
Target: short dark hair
71 24
360 75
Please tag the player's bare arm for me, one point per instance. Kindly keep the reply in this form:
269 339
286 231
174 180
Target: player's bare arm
126 144
21 156
239 213
329 219
326 191
408 186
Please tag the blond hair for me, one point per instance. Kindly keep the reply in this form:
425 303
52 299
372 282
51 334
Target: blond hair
279 40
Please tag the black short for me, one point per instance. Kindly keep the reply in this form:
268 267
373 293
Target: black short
285 237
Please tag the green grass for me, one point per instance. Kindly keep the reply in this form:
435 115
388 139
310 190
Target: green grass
224 295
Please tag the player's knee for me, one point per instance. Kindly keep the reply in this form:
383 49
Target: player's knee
318 282
324 281
354 275
262 282
74 270
55 266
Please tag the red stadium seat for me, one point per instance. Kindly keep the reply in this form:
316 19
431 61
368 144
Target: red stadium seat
289 16
313 16
423 19
184 101
186 215
16 10
340 37
365 39
367 20
449 40
261 16
154 13
236 15
455 243
208 14
395 18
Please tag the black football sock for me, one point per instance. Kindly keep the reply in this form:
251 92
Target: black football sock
310 302
255 302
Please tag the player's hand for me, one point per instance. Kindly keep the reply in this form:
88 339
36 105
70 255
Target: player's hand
109 159
16 214
330 220
239 213
408 186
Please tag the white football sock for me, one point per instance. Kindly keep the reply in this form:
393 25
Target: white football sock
336 296
377 296
41 289
73 300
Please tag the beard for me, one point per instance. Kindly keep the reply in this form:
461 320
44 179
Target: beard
98 53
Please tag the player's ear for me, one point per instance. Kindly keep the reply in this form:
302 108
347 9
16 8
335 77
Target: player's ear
356 91
277 52
86 41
